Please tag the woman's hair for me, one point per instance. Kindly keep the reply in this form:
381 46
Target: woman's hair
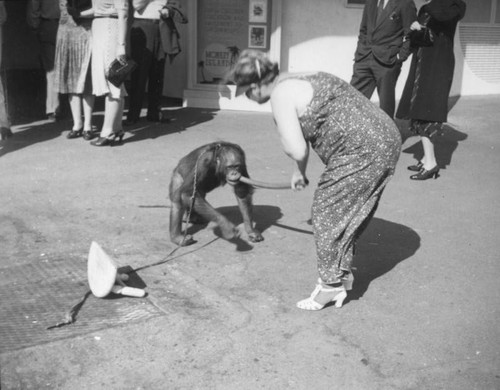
254 66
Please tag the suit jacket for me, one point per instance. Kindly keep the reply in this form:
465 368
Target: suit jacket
385 37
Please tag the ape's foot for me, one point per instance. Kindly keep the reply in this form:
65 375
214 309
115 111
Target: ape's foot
183 241
255 236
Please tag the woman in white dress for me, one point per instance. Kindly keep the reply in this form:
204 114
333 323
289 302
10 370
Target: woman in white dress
109 31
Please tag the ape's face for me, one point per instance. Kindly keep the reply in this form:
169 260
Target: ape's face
230 166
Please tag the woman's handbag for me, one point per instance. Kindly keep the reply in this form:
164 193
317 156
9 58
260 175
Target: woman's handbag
423 37
118 71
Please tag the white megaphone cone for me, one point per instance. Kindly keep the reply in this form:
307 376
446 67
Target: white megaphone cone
103 275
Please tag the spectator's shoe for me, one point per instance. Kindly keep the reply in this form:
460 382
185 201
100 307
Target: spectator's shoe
157 117
130 122
5 133
417 167
110 140
53 117
74 134
87 135
425 174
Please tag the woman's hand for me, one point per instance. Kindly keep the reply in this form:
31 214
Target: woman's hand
120 56
299 181
164 13
416 26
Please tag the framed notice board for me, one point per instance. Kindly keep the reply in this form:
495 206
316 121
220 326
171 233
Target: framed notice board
224 29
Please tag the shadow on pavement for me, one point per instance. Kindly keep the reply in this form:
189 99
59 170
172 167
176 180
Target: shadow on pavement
263 216
382 246
32 134
41 131
180 120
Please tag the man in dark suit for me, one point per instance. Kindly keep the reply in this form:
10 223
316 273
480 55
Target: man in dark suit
382 48
153 37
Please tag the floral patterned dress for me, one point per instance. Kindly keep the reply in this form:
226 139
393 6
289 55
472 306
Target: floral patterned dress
360 146
73 52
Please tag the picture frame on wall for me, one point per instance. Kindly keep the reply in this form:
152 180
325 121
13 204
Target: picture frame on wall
257 11
257 37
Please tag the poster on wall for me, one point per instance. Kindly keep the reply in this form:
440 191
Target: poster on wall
258 11
224 30
257 37
222 34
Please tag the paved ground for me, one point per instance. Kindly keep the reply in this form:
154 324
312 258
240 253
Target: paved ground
423 314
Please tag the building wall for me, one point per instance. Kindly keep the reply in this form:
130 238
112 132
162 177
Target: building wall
324 37
312 35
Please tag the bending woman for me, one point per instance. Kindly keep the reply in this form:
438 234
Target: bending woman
358 143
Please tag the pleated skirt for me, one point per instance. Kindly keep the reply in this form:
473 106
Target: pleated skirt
72 59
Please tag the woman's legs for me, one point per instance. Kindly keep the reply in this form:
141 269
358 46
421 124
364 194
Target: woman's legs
75 104
429 159
88 107
113 110
117 124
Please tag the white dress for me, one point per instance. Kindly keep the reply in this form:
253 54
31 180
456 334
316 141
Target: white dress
105 32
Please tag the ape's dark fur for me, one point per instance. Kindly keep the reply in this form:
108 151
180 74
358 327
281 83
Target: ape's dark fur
215 164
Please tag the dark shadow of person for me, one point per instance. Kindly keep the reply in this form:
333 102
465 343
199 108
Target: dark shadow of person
181 120
380 248
444 146
31 134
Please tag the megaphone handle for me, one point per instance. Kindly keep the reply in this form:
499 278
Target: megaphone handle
122 277
128 291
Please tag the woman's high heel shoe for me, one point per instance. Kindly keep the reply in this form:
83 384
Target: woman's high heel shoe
119 134
338 294
74 134
110 140
87 135
5 132
417 167
103 141
425 174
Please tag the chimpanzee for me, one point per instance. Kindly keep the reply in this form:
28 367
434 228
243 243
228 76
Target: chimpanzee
211 166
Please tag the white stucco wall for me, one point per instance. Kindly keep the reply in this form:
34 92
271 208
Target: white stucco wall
322 35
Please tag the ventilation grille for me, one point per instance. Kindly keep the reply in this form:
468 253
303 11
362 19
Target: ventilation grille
481 48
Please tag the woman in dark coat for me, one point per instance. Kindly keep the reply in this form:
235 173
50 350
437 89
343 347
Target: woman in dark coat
425 95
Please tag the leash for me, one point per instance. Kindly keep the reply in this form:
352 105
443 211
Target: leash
262 184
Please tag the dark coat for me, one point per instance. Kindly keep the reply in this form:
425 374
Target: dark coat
384 37
169 35
435 65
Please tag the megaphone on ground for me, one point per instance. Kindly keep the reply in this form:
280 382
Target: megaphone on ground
103 275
